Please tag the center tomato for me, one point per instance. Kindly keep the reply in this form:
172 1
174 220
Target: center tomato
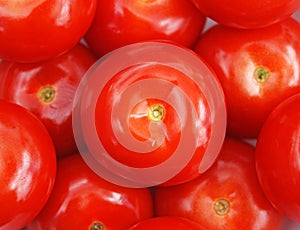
149 113
155 122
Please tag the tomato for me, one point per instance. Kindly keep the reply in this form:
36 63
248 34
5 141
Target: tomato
257 70
48 89
37 30
148 114
27 166
122 22
247 14
167 222
227 196
277 157
82 200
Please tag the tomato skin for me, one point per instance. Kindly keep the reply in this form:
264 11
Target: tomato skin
227 196
79 192
27 163
122 22
167 222
248 14
30 84
33 31
277 157
108 112
256 68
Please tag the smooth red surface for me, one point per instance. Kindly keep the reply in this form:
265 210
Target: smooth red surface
165 144
167 222
122 22
233 178
247 14
114 98
236 54
278 157
81 198
21 83
27 166
37 30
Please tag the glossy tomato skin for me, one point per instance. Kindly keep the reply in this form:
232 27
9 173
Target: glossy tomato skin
122 22
149 113
247 14
27 166
143 127
48 89
82 200
227 196
35 30
256 68
167 222
277 157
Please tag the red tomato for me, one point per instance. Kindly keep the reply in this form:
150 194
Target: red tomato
36 30
227 196
278 157
48 89
27 166
257 70
149 119
122 22
167 222
82 200
247 14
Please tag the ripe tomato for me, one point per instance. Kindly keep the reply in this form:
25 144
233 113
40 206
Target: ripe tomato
227 196
36 30
150 113
122 22
82 200
257 70
247 14
278 157
27 166
167 222
48 89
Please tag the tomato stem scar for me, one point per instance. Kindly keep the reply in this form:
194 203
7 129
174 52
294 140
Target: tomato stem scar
156 112
47 94
97 226
261 74
221 206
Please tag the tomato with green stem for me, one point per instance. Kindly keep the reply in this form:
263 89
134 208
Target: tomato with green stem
82 200
47 89
227 196
149 113
257 69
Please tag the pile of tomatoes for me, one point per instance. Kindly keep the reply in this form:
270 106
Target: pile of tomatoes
147 114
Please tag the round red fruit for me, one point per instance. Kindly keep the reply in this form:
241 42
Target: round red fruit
27 166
